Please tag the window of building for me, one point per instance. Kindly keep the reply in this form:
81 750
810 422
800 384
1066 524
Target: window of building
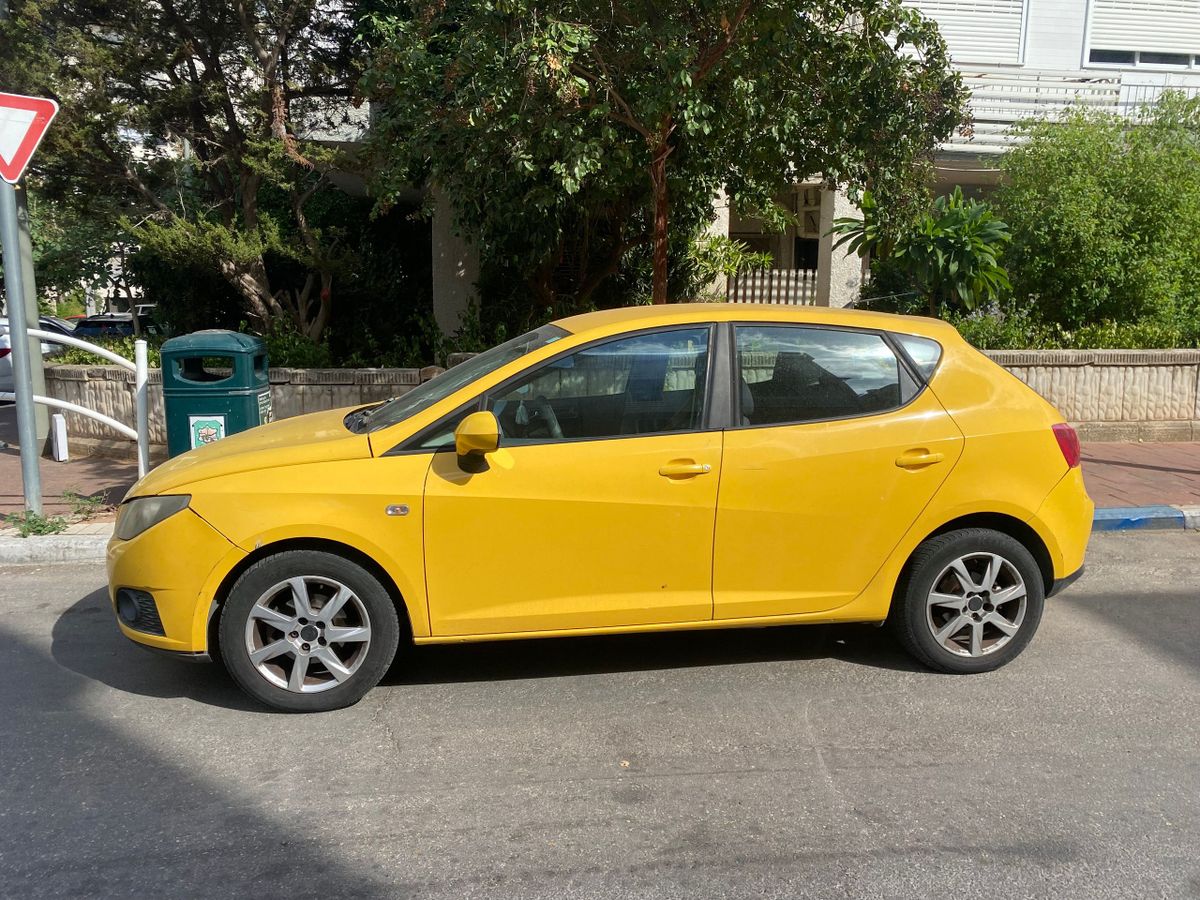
1149 59
1164 59
1113 57
793 374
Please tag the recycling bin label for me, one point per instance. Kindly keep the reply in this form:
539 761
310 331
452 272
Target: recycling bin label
206 429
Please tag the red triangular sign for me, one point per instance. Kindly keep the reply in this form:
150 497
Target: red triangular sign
23 121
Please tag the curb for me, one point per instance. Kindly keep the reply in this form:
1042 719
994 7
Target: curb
1146 518
55 548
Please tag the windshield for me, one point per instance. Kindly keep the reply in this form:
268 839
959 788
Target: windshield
400 408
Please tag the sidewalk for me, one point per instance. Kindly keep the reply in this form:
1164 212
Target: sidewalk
94 476
1116 474
1142 474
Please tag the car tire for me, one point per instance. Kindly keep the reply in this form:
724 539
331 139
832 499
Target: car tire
308 631
969 601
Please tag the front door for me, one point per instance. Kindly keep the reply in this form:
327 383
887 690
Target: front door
598 508
837 453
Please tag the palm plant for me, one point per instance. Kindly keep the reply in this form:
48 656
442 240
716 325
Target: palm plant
951 253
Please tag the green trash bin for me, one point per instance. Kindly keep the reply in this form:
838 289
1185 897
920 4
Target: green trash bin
214 384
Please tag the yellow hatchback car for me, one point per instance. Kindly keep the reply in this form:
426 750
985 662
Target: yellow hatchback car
654 468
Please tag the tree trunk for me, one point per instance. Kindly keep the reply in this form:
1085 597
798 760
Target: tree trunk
662 209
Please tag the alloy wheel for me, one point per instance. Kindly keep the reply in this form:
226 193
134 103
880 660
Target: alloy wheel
976 605
308 634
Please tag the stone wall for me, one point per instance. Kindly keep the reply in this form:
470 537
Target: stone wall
109 389
1116 395
1119 395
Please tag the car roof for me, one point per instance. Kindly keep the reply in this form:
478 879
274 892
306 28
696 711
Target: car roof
613 321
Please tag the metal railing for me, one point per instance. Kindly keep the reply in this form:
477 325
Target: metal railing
140 368
787 286
1001 99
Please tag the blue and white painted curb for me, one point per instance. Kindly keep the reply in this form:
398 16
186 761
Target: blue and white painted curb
1146 518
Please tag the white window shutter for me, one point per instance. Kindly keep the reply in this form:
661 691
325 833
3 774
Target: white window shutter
1161 26
978 31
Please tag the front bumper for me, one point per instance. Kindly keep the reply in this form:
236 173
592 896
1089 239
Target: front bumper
179 562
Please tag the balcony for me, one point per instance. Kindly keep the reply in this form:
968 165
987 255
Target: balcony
1002 98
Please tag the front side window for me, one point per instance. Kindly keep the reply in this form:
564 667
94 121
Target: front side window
437 389
793 374
649 383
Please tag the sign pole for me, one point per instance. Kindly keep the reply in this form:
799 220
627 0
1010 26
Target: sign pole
14 292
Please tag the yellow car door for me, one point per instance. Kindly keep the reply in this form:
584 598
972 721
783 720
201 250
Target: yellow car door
598 509
834 452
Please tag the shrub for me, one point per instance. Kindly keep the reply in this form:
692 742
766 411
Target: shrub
950 255
1103 213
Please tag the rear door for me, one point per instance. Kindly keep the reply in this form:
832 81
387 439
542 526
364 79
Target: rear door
835 451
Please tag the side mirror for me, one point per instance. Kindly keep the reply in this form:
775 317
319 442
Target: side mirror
477 435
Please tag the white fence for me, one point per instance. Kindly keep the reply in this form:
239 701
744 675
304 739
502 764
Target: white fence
790 286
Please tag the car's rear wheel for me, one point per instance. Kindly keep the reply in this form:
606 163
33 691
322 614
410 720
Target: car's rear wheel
308 631
970 601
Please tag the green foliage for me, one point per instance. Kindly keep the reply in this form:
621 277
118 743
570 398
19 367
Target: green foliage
288 348
954 253
715 256
188 129
84 506
1103 212
995 330
122 346
558 132
950 255
29 523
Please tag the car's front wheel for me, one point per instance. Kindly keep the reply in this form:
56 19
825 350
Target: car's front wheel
308 631
970 601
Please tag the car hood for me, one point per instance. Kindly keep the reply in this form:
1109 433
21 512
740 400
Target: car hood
312 438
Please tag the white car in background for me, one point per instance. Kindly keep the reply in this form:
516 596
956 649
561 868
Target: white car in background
45 323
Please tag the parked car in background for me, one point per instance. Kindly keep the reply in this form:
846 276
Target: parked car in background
113 325
629 470
45 323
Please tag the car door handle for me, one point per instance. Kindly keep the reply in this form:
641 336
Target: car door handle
683 469
917 459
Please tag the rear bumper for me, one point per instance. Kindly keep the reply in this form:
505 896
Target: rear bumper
1064 522
1061 584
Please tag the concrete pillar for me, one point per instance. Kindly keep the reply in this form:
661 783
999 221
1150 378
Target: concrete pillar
455 268
839 273
719 227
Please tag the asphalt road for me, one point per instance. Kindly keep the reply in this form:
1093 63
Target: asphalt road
813 762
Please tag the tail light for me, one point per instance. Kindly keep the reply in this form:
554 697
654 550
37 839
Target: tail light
1068 443
4 351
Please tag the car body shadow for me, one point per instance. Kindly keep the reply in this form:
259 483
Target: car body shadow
864 645
85 640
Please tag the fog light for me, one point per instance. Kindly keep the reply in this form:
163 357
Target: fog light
138 611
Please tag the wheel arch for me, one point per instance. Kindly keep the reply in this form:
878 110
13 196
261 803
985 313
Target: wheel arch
325 545
1022 532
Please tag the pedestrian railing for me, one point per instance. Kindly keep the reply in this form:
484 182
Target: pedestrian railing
140 432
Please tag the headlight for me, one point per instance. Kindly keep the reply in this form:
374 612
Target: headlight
136 515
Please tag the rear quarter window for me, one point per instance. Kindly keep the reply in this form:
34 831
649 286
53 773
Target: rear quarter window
925 353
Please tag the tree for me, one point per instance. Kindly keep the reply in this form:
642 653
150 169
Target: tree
197 120
571 133
1103 210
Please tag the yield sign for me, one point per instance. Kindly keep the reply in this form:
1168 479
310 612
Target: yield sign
23 121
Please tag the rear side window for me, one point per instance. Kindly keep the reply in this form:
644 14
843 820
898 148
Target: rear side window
924 353
791 374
